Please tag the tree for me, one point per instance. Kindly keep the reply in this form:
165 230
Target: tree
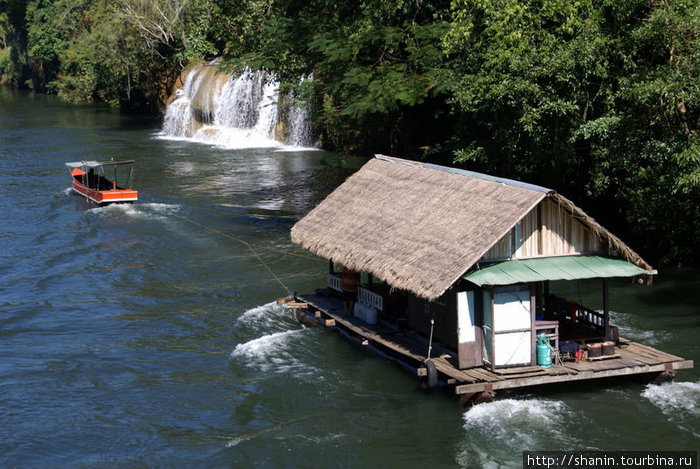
375 64
526 76
597 99
102 63
655 155
172 29
50 27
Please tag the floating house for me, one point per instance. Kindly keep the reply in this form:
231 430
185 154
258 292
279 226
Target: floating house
456 270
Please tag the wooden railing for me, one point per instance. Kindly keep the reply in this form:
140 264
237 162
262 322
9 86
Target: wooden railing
334 282
364 295
590 317
370 298
560 308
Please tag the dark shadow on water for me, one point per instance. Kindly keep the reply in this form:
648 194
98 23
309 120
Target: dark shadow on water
676 286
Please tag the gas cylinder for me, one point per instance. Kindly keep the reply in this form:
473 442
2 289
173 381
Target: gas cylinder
544 352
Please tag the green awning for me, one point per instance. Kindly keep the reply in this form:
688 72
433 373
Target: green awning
554 268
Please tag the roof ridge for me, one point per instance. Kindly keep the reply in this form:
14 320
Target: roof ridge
465 172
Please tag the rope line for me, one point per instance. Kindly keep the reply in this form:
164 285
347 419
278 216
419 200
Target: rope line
285 253
264 248
430 342
245 243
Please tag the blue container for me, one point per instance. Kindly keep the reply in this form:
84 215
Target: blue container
544 352
568 346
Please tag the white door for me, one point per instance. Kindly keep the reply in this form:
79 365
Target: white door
512 326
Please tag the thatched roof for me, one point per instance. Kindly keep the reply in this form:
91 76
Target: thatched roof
419 227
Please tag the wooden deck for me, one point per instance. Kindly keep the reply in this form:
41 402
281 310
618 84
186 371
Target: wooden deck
411 350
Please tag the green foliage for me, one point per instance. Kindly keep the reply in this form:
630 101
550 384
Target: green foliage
599 99
50 27
374 63
117 52
5 30
98 62
655 158
5 62
527 75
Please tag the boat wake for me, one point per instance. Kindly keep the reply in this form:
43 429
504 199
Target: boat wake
625 322
679 402
152 211
268 317
496 431
273 351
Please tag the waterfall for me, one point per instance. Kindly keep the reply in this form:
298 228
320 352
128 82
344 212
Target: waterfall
299 121
236 111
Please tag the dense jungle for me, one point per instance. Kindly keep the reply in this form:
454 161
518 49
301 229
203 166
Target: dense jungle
597 99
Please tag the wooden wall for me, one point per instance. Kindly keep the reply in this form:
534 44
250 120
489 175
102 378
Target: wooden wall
548 230
444 310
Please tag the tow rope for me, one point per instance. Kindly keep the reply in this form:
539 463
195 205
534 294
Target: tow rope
249 246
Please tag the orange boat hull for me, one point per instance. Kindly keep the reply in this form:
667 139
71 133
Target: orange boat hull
102 197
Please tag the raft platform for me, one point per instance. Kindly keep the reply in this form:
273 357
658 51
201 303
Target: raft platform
410 350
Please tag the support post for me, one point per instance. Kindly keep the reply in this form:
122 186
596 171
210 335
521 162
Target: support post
533 319
606 309
540 234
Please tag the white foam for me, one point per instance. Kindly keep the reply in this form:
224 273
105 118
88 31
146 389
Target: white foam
233 138
625 324
675 399
496 431
291 149
156 211
262 346
270 353
501 414
265 317
235 441
239 112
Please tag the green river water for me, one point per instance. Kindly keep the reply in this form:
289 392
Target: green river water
147 335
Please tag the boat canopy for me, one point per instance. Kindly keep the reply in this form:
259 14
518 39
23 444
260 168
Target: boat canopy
96 164
554 268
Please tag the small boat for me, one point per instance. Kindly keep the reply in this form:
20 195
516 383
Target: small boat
89 178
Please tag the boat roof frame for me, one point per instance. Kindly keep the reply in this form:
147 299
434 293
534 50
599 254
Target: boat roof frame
97 164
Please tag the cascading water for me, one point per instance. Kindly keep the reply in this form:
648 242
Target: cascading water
235 111
299 119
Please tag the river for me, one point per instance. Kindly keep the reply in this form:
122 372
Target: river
146 335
